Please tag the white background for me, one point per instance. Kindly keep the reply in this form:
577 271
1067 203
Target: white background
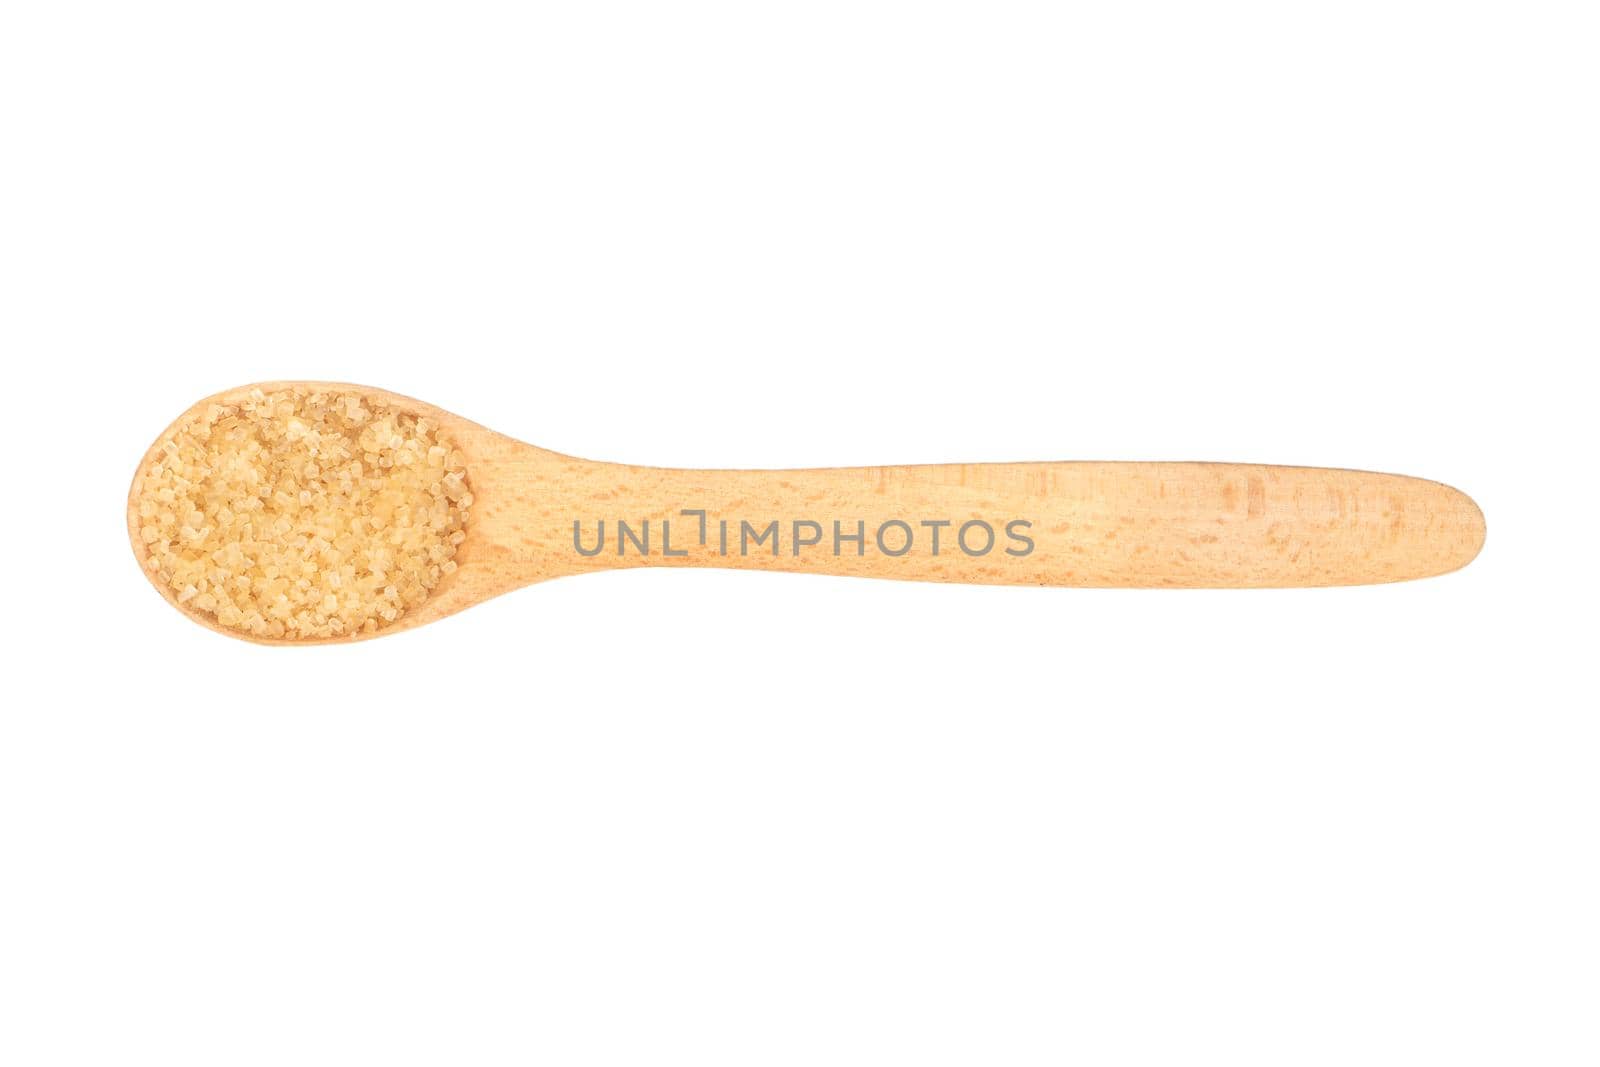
726 818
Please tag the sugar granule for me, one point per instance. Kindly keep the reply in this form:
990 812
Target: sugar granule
303 514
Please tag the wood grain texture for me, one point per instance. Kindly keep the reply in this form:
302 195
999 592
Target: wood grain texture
1105 524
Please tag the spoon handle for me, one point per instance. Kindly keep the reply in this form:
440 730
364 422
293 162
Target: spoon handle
1155 525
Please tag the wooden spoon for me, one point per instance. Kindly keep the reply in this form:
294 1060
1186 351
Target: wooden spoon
539 514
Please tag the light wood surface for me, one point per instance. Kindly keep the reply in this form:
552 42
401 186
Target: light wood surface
1130 525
